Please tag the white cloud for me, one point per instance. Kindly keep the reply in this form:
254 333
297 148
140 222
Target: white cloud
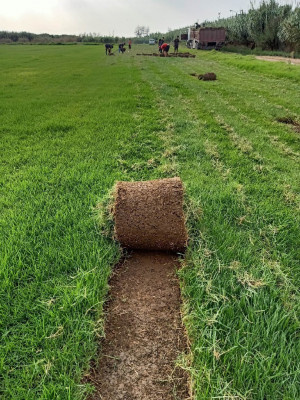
17 9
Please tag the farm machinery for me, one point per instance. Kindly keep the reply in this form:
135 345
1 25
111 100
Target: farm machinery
204 38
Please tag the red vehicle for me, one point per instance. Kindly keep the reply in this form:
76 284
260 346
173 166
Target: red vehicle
205 38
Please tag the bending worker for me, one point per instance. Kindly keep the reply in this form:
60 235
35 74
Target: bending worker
165 48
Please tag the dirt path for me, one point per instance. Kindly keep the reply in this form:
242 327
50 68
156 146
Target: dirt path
144 333
294 61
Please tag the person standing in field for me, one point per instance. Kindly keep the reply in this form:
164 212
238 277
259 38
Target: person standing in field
159 45
160 42
176 44
129 44
165 47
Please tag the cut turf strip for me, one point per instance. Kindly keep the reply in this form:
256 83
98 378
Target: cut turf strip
144 335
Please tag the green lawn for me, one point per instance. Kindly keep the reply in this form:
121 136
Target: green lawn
72 122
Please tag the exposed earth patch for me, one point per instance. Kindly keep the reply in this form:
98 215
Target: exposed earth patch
144 335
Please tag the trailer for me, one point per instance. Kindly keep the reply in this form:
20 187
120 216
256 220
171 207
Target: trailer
205 38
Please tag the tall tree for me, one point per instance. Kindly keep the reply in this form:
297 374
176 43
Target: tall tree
290 30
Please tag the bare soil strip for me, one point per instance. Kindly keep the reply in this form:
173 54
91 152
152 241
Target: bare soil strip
290 121
144 333
182 55
294 61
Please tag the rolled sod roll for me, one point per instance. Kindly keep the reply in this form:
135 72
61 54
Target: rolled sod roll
149 215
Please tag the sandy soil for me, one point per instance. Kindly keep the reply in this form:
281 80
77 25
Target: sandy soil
294 61
144 333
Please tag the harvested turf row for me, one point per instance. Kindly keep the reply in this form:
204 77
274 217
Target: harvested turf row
144 333
182 55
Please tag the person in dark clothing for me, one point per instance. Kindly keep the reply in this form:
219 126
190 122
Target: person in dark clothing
176 44
160 43
122 48
108 48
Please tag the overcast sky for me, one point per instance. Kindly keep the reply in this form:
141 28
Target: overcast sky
111 17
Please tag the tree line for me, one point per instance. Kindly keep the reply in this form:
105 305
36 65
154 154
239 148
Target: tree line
271 26
141 35
45 38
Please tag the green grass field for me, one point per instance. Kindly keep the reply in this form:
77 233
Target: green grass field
72 122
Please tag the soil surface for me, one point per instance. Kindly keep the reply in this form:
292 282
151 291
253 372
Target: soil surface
144 333
294 61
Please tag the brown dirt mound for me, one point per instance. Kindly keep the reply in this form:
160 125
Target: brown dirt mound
144 334
209 76
149 215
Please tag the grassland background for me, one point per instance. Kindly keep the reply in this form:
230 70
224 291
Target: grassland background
72 122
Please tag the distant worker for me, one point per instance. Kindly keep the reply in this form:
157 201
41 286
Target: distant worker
108 48
165 47
160 42
159 45
121 46
176 44
129 44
